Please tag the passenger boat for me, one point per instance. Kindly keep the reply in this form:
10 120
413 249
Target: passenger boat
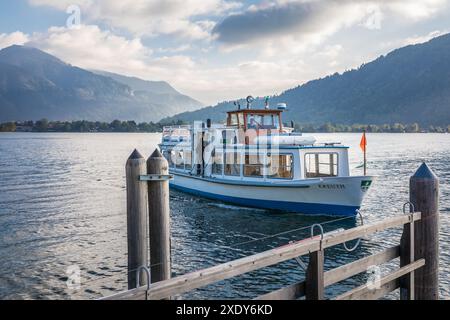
255 161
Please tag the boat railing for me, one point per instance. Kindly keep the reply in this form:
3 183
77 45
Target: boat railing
176 133
173 128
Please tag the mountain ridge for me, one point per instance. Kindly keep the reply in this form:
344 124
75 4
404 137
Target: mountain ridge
35 84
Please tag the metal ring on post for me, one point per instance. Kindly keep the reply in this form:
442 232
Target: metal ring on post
321 230
411 206
138 276
359 240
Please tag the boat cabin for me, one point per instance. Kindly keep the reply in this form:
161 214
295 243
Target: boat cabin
243 150
252 123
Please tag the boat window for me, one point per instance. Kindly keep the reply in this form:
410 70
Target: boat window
276 122
233 164
321 165
241 119
233 119
188 159
271 121
254 121
253 166
268 121
217 163
179 159
280 166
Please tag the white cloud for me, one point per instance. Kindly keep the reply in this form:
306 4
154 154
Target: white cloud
9 39
181 48
418 9
90 47
314 19
150 17
374 18
60 4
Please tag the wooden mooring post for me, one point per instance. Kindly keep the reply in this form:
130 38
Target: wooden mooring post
136 217
148 218
159 217
315 285
424 196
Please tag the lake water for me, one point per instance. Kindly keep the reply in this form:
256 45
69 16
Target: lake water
62 204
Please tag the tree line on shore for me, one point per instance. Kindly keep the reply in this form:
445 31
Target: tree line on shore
394 128
45 125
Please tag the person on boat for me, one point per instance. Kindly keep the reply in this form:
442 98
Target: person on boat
253 124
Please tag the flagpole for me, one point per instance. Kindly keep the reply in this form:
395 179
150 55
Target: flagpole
365 158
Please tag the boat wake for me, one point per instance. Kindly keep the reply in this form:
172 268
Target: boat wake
231 207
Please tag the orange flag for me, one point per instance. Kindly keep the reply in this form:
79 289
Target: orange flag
363 142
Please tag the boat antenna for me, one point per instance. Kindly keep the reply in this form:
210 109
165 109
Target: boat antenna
249 99
267 103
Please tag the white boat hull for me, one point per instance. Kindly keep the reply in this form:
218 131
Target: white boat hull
328 196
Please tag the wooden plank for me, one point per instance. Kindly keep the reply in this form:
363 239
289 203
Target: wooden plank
349 270
314 276
365 230
133 294
227 270
297 290
381 292
291 292
364 290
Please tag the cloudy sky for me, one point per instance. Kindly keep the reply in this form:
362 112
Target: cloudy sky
216 50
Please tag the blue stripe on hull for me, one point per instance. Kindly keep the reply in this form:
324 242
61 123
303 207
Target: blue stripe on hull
300 207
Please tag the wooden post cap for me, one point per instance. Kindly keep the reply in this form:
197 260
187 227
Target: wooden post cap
135 155
157 164
424 172
156 154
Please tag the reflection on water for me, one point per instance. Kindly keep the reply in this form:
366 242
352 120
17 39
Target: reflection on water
62 203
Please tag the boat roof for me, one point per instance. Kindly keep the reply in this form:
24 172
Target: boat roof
265 111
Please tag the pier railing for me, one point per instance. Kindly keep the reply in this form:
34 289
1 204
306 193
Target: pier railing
416 275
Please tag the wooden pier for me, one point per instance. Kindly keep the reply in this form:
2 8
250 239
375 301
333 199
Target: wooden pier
418 250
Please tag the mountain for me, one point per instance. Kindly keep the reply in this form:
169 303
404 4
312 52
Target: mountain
35 85
410 84
156 87
159 91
